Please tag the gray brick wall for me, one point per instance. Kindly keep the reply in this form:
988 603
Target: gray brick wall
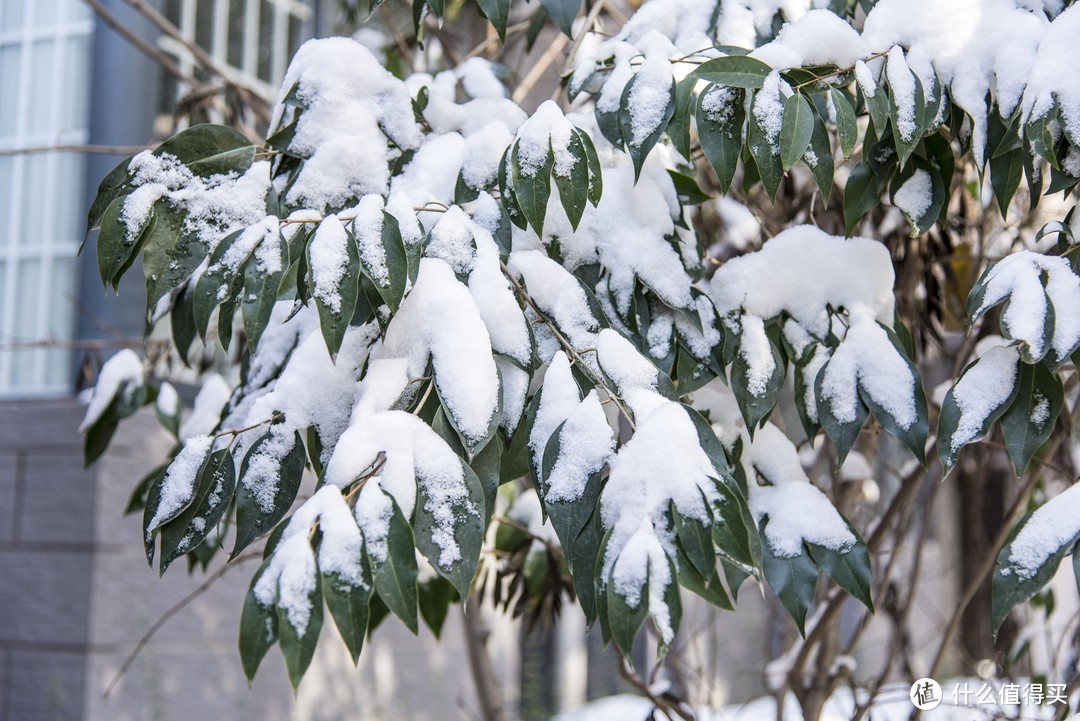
46 545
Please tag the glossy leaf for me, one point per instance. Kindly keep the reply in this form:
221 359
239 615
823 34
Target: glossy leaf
740 71
252 520
258 628
299 648
395 576
796 129
468 530
794 580
214 488
720 131
1029 421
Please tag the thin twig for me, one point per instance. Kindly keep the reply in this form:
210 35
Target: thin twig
664 702
179 606
89 149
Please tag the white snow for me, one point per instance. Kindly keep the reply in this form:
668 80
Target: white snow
649 97
756 350
1052 525
1055 73
451 240
206 411
367 228
124 369
768 108
168 400
902 85
178 485
289 581
329 259
558 294
817 38
915 195
547 131
981 390
585 444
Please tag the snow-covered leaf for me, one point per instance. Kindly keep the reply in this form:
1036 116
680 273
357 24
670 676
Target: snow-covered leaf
793 579
757 375
531 191
263 273
647 105
574 186
763 146
258 628
850 568
846 128
720 116
168 254
259 505
334 267
819 156
695 540
348 605
1029 421
209 150
439 513
299 648
214 488
861 194
116 249
395 575
111 188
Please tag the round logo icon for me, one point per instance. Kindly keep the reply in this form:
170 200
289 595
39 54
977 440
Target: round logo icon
925 694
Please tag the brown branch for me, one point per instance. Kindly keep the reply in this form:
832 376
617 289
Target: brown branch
89 149
141 45
179 606
665 703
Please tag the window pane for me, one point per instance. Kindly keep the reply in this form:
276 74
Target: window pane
61 320
77 83
47 13
11 14
68 181
26 293
10 55
7 187
40 119
35 203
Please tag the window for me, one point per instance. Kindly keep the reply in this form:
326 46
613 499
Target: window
44 77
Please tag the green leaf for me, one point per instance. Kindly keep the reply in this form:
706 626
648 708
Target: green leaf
115 250
392 290
596 176
395 576
182 322
333 322
740 71
914 436
850 569
1041 137
260 292
640 150
258 628
348 606
930 215
720 127
219 284
498 12
562 13
567 517
1010 589
168 256
846 128
210 149
468 530
766 156
949 421
110 188
679 127
434 598
687 189
794 580
696 541
796 129
214 488
252 518
877 105
574 186
842 434
583 557
712 591
822 165
860 195
532 191
1040 396
756 408
299 648
624 619
905 146
1005 173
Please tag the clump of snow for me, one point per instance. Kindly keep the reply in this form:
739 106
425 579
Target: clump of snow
478 77
649 97
1054 524
178 485
915 195
495 300
981 390
902 85
804 270
483 152
123 370
769 108
451 240
367 227
353 110
547 131
1055 73
439 319
329 259
210 401
866 361
289 581
817 38
1018 277
756 350
865 77
168 400
585 444
558 294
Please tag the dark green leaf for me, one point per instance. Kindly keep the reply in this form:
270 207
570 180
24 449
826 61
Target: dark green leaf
906 145
567 517
695 540
116 251
214 488
334 322
298 647
1005 173
498 12
820 159
860 195
679 127
468 531
168 256
712 591
574 186
218 284
392 289
210 150
596 177
434 599
395 576
562 13
687 189
949 421
755 408
260 506
794 580
624 619
850 569
348 606
740 71
1013 586
846 128
766 156
1039 397
110 188
260 292
720 127
914 436
640 150
532 190
842 434
796 129
258 628
182 322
